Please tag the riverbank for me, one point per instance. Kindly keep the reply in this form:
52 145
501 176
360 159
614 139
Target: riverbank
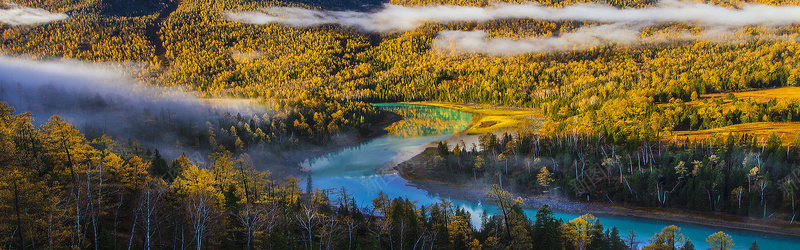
474 191
504 119
296 158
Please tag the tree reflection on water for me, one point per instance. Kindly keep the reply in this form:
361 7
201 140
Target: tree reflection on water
425 120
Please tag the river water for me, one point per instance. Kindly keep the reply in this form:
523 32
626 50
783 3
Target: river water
356 169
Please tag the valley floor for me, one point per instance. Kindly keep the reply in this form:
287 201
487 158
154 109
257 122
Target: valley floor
477 191
496 120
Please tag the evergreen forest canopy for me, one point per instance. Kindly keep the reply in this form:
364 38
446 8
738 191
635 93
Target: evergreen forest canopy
603 85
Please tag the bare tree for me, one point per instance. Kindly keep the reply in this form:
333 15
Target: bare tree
95 193
202 214
351 225
762 185
379 225
630 238
738 193
329 226
150 206
256 219
308 220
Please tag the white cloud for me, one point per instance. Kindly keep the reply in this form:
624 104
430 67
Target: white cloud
478 41
18 15
583 38
401 18
97 94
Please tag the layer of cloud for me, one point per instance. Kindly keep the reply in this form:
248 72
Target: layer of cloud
28 82
98 98
18 15
478 41
401 18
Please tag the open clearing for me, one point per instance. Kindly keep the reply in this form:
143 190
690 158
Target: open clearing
495 119
760 95
787 131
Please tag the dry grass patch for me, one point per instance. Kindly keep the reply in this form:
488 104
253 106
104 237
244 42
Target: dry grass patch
787 131
760 95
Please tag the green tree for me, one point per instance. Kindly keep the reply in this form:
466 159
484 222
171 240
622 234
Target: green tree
688 245
599 239
545 230
520 229
159 167
615 240
754 246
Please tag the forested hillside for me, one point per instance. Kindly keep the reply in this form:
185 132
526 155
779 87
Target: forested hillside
604 89
624 100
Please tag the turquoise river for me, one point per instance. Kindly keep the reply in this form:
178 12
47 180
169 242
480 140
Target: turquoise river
357 169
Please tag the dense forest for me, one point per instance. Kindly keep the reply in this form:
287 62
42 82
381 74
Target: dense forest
738 174
63 191
613 111
606 89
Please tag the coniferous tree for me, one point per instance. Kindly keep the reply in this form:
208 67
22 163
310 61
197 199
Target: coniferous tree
599 239
615 241
754 246
546 231
688 245
160 168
